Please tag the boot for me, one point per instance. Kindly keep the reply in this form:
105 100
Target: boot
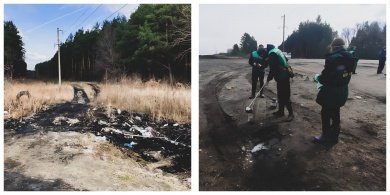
334 137
320 139
251 97
278 113
290 112
290 118
323 138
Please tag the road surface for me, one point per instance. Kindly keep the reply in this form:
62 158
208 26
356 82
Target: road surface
290 160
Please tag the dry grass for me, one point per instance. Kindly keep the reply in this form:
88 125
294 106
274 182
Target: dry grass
42 94
158 99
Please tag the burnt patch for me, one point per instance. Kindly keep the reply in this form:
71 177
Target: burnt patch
135 132
18 182
10 163
382 99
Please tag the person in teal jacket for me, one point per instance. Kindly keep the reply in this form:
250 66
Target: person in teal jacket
278 70
258 63
334 91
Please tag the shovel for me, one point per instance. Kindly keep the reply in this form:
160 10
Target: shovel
249 109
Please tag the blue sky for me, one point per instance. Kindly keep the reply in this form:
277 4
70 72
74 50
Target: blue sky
37 24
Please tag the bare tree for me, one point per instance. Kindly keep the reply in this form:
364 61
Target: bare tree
107 54
346 35
182 32
8 71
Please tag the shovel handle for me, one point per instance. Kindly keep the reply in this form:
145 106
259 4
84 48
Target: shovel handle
258 93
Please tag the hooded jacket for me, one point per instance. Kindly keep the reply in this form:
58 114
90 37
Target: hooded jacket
335 79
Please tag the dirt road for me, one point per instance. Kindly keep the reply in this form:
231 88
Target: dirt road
289 161
78 146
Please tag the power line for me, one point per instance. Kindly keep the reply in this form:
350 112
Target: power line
53 20
90 14
77 19
106 17
116 11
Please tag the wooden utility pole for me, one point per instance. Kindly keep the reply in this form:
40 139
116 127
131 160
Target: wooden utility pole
59 56
284 26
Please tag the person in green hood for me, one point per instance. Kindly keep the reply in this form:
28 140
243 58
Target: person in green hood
382 60
352 50
258 63
277 62
333 94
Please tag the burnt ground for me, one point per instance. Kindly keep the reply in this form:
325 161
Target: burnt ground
162 147
290 161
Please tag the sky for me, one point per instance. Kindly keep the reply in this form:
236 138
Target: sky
221 26
38 23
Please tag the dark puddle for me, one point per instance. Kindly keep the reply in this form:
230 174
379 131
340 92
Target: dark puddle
274 168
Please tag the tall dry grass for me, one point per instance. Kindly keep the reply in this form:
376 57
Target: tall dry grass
158 99
42 94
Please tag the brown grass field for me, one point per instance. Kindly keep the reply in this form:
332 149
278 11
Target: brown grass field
158 99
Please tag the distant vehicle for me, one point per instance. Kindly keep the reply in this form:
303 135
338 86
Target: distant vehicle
288 55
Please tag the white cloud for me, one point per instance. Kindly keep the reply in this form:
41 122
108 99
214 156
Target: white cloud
33 58
88 27
23 35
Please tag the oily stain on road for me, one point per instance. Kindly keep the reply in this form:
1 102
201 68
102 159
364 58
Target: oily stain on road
225 163
236 168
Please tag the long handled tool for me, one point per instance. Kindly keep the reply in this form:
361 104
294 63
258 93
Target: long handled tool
249 109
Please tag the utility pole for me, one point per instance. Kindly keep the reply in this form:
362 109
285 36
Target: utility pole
284 26
59 57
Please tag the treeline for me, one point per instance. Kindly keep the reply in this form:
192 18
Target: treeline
14 64
312 38
155 42
248 44
369 39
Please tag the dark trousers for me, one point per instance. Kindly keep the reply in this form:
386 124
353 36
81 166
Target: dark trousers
330 122
381 66
257 75
354 66
283 90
